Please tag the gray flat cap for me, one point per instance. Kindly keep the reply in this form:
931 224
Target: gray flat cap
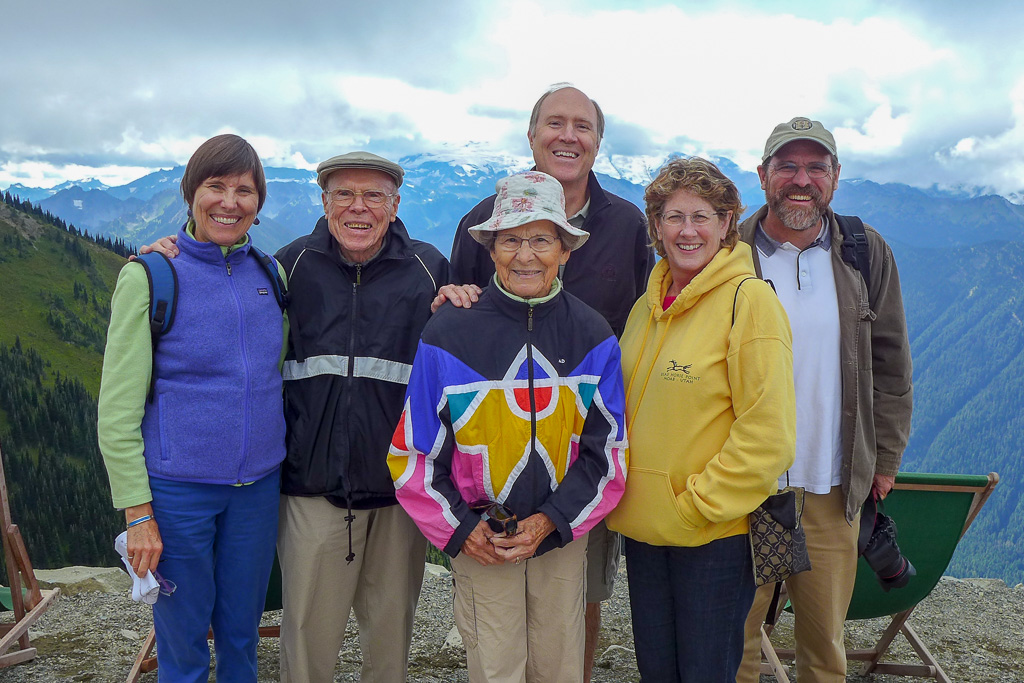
358 160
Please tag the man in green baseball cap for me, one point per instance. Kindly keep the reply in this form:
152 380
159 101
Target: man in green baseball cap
852 373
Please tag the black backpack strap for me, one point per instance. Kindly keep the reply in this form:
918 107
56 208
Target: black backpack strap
163 300
855 248
270 265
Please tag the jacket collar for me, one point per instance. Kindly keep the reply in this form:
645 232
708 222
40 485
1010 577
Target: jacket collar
397 243
768 245
208 251
515 306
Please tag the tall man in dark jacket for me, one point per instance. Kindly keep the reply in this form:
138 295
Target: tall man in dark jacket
609 272
360 292
851 363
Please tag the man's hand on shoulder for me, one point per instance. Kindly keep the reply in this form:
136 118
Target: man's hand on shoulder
463 296
165 245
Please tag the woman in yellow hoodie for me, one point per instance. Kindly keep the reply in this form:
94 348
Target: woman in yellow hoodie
711 416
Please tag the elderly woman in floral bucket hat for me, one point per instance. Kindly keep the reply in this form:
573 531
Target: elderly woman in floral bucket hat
512 442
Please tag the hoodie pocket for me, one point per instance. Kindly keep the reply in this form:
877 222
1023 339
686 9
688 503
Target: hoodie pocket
648 511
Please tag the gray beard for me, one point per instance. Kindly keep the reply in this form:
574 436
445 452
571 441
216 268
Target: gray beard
798 218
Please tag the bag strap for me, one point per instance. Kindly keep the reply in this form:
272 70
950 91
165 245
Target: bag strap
773 607
737 294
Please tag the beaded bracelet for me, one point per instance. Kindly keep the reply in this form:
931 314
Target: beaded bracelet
140 520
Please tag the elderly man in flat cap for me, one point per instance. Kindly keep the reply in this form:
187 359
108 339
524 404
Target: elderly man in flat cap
360 292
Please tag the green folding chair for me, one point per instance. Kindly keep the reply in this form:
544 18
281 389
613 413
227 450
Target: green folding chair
146 661
932 512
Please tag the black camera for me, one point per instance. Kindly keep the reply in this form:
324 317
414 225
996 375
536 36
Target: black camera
881 551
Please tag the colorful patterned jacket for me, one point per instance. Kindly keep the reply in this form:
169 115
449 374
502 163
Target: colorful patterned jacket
519 402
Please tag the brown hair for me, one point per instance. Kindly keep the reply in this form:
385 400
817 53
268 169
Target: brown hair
702 178
535 114
223 155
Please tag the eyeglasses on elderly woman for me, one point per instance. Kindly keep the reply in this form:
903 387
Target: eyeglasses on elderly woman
538 243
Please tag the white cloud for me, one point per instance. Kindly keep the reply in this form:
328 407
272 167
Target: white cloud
915 92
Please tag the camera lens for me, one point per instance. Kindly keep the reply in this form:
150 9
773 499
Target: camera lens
883 556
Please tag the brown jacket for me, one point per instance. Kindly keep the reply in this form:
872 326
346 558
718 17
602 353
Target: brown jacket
876 367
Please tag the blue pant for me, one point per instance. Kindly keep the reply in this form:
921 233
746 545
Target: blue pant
689 606
218 549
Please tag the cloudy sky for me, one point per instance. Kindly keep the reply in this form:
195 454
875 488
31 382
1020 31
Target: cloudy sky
916 91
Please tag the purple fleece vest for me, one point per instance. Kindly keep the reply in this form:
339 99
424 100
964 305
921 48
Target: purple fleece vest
217 414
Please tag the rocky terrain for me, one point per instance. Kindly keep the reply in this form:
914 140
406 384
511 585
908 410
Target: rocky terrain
974 627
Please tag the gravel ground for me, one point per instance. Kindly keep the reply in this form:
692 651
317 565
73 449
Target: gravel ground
975 628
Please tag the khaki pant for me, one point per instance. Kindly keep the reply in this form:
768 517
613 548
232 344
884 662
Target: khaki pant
603 550
320 588
820 596
523 623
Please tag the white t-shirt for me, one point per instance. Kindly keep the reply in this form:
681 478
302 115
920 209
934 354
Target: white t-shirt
807 289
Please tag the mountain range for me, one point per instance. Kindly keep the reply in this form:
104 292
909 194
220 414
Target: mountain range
961 261
440 188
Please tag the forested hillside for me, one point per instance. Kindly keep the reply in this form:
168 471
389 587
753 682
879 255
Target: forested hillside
965 311
55 288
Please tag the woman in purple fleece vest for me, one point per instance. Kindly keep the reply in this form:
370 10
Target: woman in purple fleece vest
195 465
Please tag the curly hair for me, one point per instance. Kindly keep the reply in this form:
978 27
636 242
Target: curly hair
702 178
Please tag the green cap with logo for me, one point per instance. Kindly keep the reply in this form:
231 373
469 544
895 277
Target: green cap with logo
800 128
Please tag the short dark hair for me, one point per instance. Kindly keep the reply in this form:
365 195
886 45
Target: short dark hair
223 155
535 114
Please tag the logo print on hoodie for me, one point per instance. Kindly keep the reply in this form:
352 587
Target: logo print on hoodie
677 372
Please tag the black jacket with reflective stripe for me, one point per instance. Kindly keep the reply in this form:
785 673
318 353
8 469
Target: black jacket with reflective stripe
355 329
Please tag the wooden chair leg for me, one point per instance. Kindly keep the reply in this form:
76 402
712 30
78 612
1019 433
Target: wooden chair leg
774 663
924 653
144 663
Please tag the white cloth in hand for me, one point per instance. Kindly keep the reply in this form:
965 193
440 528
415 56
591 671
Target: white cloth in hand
146 589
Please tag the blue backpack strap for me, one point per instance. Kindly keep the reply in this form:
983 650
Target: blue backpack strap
855 248
276 282
163 299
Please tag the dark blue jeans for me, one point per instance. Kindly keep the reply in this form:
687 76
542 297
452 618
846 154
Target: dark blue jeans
689 606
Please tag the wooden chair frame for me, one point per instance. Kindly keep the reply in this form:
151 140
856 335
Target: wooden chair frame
146 660
29 602
873 656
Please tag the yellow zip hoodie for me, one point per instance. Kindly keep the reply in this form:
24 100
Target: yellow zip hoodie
710 407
